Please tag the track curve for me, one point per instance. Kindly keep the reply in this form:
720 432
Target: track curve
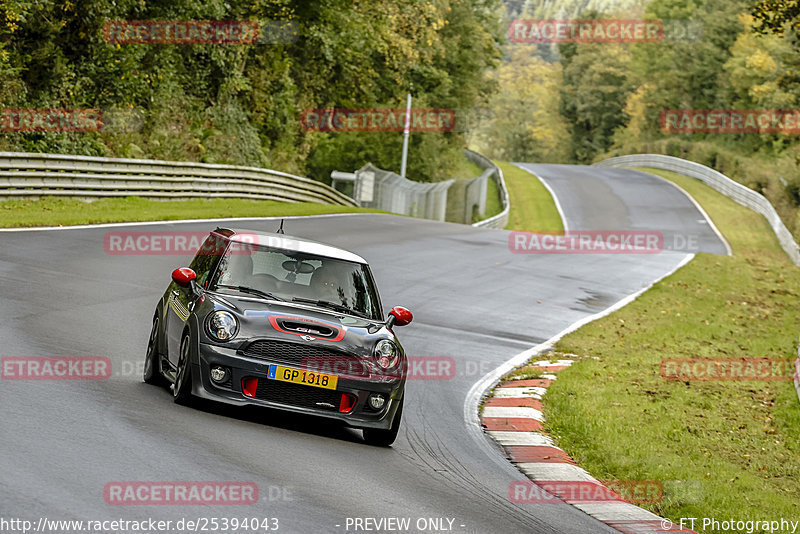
473 301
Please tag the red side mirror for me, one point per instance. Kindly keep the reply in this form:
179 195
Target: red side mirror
401 316
183 276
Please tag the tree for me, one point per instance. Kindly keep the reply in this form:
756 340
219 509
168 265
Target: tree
522 122
596 88
241 103
782 18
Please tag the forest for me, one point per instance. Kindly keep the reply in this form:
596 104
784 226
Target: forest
241 102
244 102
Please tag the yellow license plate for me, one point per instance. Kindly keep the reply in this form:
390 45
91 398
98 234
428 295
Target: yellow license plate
299 376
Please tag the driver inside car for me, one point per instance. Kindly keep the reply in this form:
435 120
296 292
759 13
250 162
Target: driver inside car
239 270
327 284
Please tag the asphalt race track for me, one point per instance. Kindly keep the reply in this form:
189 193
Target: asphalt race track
601 198
473 300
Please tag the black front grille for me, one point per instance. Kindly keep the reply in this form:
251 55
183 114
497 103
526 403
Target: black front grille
309 356
297 394
227 384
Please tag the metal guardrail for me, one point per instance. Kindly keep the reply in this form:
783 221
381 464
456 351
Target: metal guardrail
500 220
474 192
33 175
730 188
476 188
391 192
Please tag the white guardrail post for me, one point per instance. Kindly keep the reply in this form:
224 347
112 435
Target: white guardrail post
730 188
34 175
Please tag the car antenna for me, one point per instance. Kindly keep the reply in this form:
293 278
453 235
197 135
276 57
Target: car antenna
280 230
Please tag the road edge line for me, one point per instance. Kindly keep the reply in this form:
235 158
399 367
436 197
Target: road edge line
479 390
696 204
560 211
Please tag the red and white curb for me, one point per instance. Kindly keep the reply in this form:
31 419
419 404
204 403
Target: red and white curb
512 416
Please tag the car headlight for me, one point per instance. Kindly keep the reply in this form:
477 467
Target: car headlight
222 325
386 354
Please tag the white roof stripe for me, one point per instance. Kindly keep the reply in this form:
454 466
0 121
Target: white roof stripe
287 242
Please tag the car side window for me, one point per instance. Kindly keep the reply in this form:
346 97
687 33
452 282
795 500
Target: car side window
206 259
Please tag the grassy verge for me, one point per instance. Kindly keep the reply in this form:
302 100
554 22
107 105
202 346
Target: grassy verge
466 169
747 232
493 204
764 170
465 172
532 206
721 449
53 211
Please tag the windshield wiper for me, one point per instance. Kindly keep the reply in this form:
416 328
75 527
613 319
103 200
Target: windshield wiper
331 305
252 291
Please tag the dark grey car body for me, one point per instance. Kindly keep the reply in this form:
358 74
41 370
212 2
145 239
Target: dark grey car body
276 332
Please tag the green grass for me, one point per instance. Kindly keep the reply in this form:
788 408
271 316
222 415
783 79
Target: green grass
493 204
55 211
463 173
532 207
747 232
466 169
722 449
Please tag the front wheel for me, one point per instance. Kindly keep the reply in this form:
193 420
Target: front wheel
384 438
152 360
182 387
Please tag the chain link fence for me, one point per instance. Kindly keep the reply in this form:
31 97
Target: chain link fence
376 188
388 191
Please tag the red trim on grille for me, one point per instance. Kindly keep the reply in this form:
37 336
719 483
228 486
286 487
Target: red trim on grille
273 320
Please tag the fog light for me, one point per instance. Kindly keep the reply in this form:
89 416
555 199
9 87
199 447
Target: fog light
376 401
219 373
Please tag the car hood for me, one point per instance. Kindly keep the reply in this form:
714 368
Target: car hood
299 323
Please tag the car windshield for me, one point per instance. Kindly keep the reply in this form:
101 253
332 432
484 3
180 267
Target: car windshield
287 275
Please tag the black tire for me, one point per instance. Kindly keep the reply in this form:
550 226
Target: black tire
152 360
384 438
182 388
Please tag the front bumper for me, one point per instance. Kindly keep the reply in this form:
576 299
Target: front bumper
290 397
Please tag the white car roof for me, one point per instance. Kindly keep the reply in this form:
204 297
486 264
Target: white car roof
287 242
